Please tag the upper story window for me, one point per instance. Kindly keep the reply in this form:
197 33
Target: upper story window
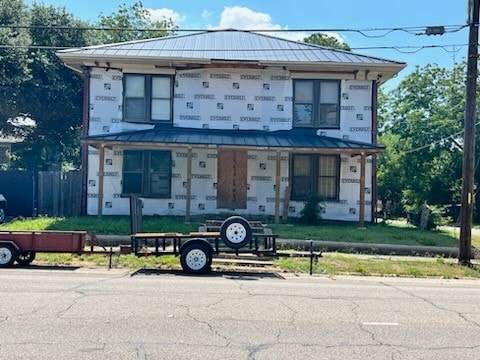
147 98
316 103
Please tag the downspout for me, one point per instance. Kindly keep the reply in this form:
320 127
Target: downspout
374 156
84 147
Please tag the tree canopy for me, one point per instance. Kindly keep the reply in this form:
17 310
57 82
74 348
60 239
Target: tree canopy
131 23
421 123
326 40
40 99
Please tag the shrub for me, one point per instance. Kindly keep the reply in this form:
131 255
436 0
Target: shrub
311 212
434 220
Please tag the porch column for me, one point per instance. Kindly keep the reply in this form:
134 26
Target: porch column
278 158
101 169
361 221
189 184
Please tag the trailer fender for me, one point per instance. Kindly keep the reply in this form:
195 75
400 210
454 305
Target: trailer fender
11 243
196 256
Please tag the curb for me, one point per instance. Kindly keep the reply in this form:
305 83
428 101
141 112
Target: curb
329 246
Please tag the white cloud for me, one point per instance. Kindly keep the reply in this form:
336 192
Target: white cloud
206 14
166 14
239 17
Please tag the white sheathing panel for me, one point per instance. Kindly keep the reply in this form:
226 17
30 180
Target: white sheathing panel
260 184
261 178
113 203
347 208
220 98
355 112
233 99
106 101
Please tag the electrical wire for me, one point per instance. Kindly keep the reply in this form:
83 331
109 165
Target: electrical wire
426 146
413 30
397 48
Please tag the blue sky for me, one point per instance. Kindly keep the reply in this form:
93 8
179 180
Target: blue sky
317 14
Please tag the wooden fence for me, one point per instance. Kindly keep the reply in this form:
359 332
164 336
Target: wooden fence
59 193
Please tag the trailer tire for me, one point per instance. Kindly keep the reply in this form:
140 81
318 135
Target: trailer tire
7 255
236 232
25 258
196 257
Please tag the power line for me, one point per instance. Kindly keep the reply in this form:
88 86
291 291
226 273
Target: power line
413 30
407 49
426 146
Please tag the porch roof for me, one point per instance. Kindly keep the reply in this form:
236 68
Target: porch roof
286 140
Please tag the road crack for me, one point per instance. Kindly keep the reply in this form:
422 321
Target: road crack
436 306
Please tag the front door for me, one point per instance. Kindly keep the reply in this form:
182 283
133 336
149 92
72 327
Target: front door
232 179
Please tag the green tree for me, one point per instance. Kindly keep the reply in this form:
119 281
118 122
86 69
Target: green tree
135 18
14 59
52 96
420 122
37 88
326 40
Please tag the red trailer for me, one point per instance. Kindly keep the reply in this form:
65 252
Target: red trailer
21 246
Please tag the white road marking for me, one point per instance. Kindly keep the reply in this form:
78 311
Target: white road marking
380 324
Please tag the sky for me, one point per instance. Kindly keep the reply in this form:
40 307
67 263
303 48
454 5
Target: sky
332 16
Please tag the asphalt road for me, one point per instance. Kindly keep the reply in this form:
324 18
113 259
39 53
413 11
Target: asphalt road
68 313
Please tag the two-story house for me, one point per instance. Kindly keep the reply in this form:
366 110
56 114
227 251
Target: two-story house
229 121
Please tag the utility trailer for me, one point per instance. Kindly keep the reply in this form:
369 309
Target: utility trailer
233 236
21 246
196 249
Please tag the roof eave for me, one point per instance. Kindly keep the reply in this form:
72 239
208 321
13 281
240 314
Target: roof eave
98 143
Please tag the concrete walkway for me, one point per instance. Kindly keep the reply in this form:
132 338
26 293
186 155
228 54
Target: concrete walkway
329 246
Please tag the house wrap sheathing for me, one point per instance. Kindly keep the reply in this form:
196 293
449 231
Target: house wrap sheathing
198 103
243 108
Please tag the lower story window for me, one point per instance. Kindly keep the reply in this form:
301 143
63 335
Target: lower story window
315 175
147 173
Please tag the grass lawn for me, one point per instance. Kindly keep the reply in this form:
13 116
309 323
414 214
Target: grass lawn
330 264
394 233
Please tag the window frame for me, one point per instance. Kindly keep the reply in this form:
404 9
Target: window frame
147 172
317 106
314 176
148 99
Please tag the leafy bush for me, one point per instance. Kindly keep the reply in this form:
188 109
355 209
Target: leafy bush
311 212
434 220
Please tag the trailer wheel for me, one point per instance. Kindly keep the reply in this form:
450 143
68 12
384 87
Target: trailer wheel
7 255
25 257
236 232
196 257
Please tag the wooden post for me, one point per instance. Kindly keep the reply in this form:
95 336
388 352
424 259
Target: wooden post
101 169
189 184
361 205
468 167
278 158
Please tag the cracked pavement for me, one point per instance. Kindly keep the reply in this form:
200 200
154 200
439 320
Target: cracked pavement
56 313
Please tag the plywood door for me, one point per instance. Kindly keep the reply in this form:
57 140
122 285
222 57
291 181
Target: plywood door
232 179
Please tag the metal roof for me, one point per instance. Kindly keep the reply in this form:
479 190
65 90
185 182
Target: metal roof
229 45
226 46
296 139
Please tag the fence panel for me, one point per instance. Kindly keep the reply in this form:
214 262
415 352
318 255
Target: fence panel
59 193
18 187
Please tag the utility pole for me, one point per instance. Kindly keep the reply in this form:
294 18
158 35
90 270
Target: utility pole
465 246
